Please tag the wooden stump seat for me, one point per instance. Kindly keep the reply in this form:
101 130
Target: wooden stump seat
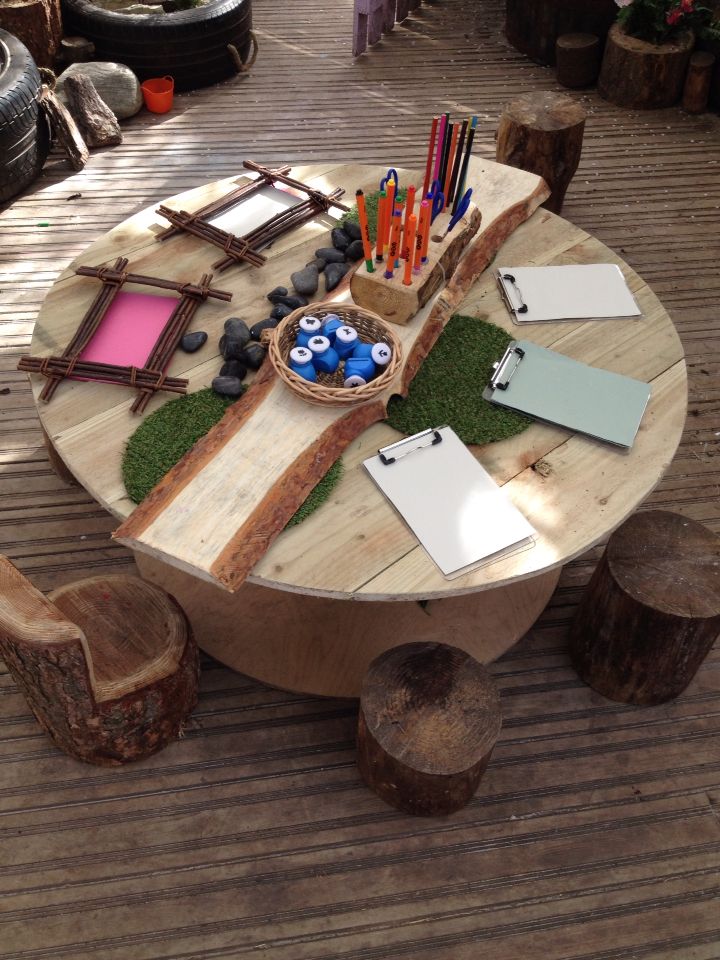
543 134
108 665
429 718
651 611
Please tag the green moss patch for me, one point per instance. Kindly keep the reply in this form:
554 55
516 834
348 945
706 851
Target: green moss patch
448 387
166 436
371 208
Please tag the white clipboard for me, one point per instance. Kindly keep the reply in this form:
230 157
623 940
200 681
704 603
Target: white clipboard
592 291
462 518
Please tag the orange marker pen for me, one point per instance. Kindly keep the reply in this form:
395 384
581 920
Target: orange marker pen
410 232
394 245
409 204
421 230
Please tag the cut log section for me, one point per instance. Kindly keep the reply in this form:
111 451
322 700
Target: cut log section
76 50
429 719
643 76
279 446
696 91
578 59
64 129
108 665
651 611
543 133
36 23
98 124
533 26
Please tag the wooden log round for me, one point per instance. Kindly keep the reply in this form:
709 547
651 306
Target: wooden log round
533 26
651 611
697 82
543 133
76 50
429 718
577 59
641 75
36 23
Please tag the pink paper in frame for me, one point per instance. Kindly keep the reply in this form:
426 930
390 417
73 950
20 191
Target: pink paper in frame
129 329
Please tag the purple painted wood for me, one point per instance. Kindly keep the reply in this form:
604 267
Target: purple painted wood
372 18
403 9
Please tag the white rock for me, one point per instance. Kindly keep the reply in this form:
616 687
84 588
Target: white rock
115 83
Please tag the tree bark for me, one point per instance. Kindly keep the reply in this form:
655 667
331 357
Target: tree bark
543 133
37 24
429 718
641 75
577 59
533 26
98 124
697 82
64 129
651 611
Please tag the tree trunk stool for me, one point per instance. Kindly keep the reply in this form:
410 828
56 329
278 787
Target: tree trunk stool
696 91
543 133
108 665
429 718
651 611
533 26
577 59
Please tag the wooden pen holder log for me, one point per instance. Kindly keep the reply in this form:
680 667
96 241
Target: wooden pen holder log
391 298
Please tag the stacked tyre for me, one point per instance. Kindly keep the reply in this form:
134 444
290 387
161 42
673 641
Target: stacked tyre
24 134
194 46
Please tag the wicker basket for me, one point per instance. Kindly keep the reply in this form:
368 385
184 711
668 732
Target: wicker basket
329 389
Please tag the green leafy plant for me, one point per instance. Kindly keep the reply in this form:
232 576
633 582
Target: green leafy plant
658 21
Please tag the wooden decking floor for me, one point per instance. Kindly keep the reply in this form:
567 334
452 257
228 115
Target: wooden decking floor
595 834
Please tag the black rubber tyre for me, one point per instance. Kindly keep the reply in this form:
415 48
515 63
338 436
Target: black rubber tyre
191 46
24 136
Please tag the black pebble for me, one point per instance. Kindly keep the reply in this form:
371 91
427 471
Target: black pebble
352 229
231 348
254 355
257 328
279 311
293 302
305 281
277 292
227 386
193 341
330 255
317 262
340 239
237 329
354 251
334 272
234 368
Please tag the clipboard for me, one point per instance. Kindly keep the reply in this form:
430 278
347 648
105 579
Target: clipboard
592 291
462 518
548 386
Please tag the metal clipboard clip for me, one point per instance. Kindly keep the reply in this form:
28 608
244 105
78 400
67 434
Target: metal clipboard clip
402 448
501 278
505 368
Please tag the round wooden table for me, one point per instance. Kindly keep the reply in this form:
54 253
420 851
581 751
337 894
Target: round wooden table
352 580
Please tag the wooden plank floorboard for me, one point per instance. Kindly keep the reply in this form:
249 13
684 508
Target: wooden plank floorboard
596 831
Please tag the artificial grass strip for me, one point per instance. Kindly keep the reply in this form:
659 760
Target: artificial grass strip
166 436
448 387
371 208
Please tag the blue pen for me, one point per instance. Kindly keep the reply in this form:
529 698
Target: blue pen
437 199
390 175
461 210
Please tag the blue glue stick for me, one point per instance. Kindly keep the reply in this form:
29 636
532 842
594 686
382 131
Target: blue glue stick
309 326
301 363
324 358
345 340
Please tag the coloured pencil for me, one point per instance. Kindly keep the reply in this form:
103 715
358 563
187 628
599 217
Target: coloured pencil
446 148
458 160
440 145
389 209
381 216
364 230
394 244
409 240
431 146
449 164
466 161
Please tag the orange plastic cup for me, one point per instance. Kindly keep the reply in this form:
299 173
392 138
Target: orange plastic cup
158 94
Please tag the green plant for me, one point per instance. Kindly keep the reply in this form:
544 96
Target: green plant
660 20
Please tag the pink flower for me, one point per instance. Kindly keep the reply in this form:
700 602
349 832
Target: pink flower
687 6
673 17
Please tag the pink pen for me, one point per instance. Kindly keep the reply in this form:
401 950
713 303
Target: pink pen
440 145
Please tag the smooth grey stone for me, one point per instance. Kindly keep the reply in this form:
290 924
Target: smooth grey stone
237 329
330 255
277 292
293 302
306 280
257 328
228 386
354 251
280 310
116 84
340 240
193 341
334 272
352 229
254 355
233 368
231 348
317 262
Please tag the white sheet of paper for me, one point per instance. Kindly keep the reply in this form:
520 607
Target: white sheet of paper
452 505
574 292
262 206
